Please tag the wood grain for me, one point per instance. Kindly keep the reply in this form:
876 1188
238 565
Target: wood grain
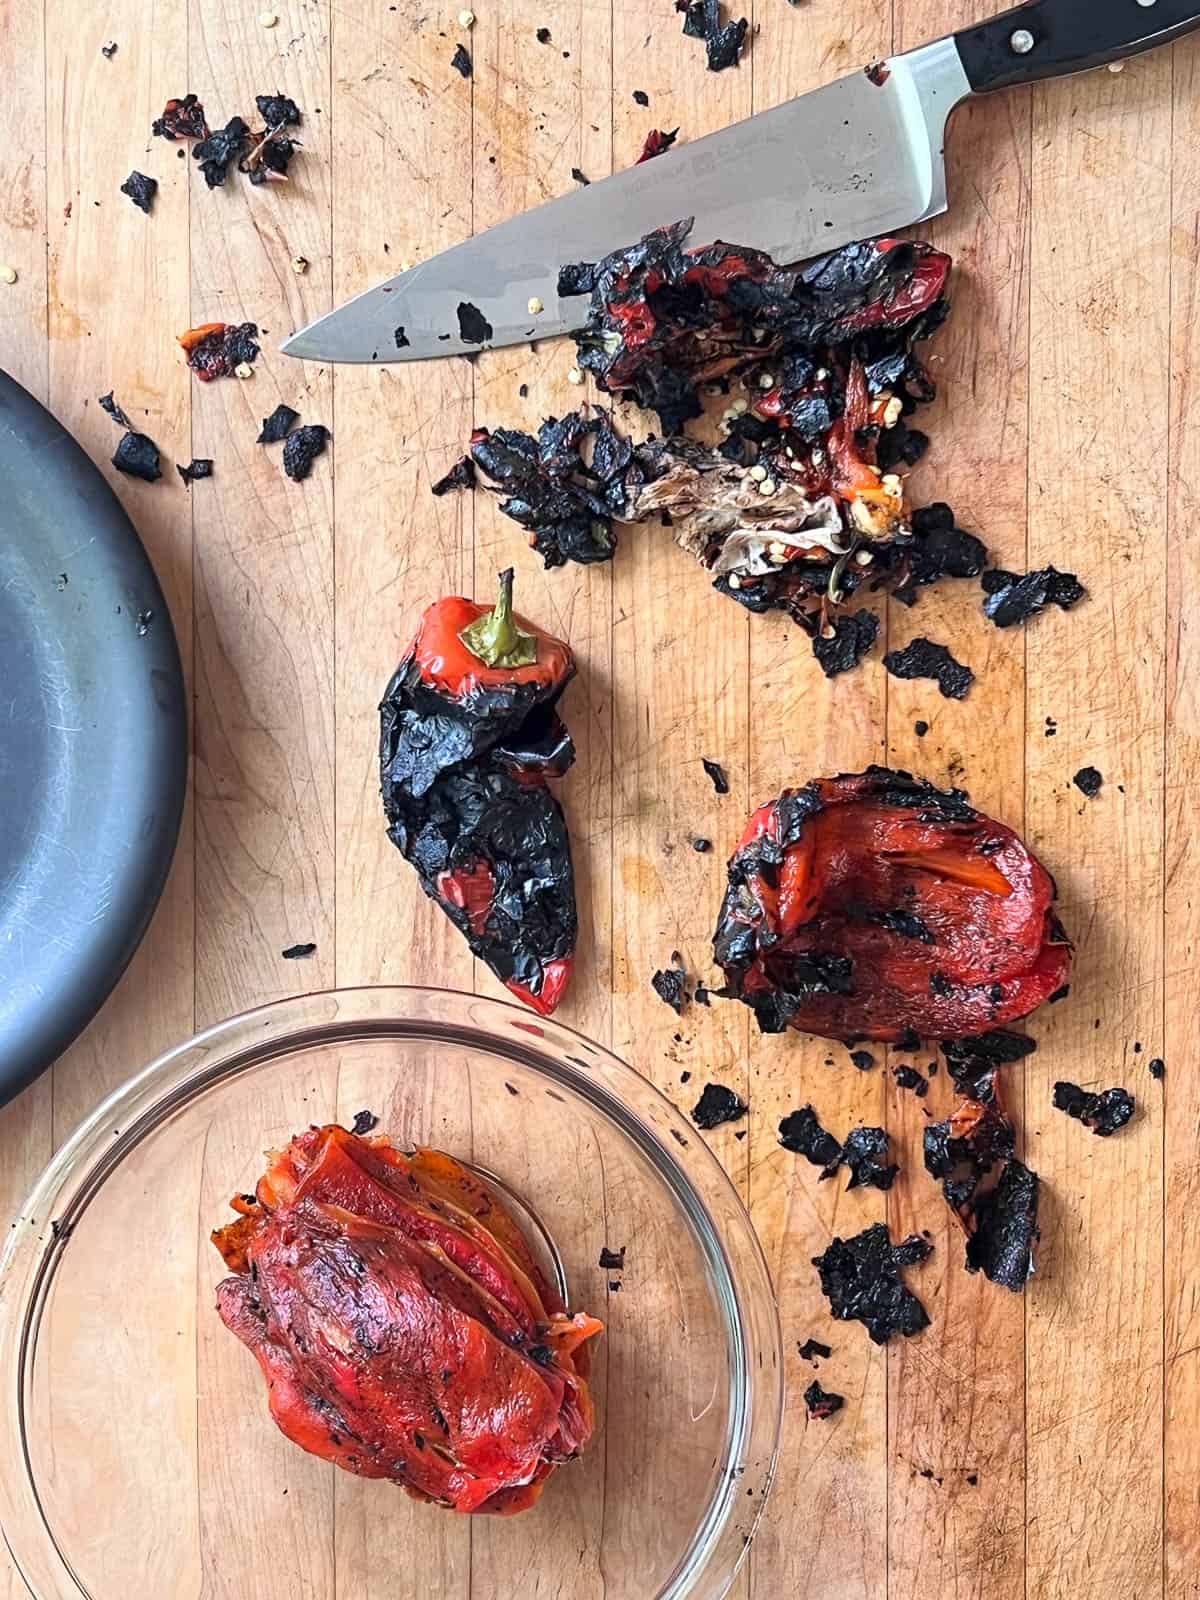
1066 432
1181 925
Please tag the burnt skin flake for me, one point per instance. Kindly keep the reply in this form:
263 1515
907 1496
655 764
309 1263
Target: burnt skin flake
302 447
137 456
860 1277
820 1402
473 326
717 1104
278 425
670 985
922 658
1104 1112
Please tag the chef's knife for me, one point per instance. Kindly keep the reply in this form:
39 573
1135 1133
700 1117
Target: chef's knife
859 157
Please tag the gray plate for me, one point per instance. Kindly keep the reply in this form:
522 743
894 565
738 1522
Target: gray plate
93 739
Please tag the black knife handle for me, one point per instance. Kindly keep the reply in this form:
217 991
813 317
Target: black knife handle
1051 38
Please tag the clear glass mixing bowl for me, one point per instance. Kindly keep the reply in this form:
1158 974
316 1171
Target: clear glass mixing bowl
136 1454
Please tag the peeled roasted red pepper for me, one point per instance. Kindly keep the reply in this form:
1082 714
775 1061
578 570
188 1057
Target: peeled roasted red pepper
469 736
875 906
402 1324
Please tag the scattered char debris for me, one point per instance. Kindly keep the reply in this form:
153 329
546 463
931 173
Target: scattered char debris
267 159
1013 597
302 447
1088 780
910 1078
701 996
401 337
218 149
201 467
1103 1113
460 476
137 456
701 846
920 728
543 36
181 119
716 1105
717 773
1060 994
657 140
723 42
820 1402
473 326
298 952
973 1062
364 1123
862 1152
140 189
850 636
922 658
278 425
860 1277
579 177
461 61
878 72
670 985
115 410
1157 1067
109 50
612 1260
216 349
862 1059
641 97
813 1350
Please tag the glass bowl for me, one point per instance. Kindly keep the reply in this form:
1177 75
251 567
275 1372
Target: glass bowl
138 1455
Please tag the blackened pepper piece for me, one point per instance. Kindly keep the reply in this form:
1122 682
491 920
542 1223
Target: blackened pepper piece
460 476
612 1260
115 410
181 119
853 634
670 985
863 1152
923 658
278 425
802 1133
141 190
299 952
910 1078
277 110
473 326
1005 1228
860 1278
717 774
1103 1113
813 1350
201 467
657 140
268 158
137 456
820 1402
364 1122
302 447
716 1105
219 149
461 61
1014 597
1089 781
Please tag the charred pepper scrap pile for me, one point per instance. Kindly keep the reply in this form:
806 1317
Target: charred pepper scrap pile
470 735
402 1324
262 154
876 906
803 502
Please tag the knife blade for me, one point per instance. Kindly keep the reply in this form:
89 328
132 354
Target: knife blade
860 155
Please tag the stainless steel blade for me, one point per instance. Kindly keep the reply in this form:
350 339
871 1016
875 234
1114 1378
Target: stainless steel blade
856 158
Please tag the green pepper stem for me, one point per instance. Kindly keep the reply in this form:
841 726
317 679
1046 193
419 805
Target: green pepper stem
495 638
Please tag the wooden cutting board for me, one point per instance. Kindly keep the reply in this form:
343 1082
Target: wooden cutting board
1042 1446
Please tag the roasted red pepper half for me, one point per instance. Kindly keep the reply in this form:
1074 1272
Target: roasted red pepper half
875 906
403 1325
469 737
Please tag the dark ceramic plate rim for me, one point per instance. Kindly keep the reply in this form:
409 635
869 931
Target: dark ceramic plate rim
65 514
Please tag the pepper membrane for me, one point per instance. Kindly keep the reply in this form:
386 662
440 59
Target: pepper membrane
402 1324
875 906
